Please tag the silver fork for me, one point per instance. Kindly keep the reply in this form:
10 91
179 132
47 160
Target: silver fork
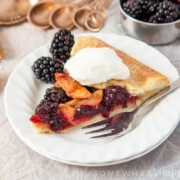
122 123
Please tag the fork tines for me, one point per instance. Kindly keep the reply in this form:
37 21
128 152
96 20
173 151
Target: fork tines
112 126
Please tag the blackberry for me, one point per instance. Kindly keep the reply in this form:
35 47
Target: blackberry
86 110
56 95
47 112
61 45
46 107
154 11
44 69
140 9
167 11
114 96
132 8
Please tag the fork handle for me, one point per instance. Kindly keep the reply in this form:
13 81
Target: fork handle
160 95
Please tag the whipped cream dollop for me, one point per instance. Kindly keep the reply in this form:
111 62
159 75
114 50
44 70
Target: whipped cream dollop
96 65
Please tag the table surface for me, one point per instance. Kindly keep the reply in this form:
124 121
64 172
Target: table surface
18 161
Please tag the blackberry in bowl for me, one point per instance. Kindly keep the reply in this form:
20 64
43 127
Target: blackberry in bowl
154 22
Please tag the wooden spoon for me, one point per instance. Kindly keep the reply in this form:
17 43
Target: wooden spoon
62 17
39 14
95 19
80 14
13 11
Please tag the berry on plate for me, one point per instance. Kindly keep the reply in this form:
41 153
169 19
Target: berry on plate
44 69
61 45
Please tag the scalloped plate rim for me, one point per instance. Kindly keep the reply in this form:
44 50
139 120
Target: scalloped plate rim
71 162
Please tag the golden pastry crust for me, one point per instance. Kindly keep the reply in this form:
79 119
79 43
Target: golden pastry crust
44 128
143 80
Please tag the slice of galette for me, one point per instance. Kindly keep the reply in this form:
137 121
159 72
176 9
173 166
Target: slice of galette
90 91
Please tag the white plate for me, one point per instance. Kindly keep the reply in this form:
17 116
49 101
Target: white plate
23 92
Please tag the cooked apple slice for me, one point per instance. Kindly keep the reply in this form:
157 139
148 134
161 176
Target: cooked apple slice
71 86
92 101
68 113
74 102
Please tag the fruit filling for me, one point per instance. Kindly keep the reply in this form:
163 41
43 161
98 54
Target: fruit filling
70 103
113 96
48 113
56 95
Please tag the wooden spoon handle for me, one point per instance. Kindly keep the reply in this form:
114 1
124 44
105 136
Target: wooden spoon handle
88 2
108 3
1 54
103 5
79 4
